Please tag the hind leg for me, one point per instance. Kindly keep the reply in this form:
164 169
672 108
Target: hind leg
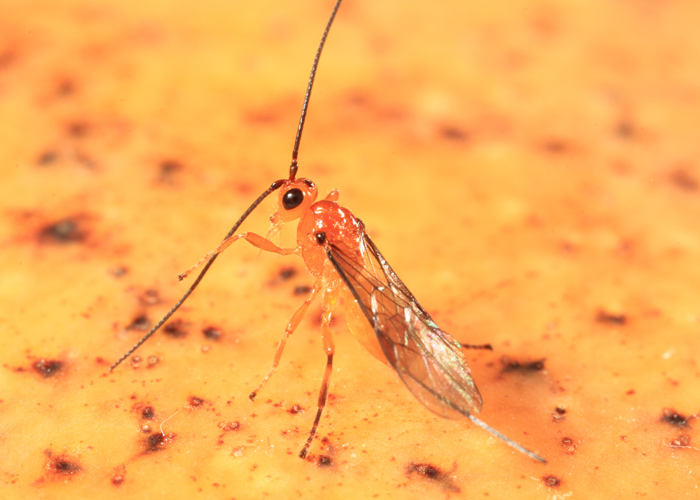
330 299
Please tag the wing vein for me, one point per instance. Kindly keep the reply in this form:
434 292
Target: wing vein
428 360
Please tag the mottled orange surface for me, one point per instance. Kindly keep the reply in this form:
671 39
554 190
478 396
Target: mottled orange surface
529 169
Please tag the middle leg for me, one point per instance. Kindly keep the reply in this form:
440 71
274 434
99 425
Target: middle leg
291 326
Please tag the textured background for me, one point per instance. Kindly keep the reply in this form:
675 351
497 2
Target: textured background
528 168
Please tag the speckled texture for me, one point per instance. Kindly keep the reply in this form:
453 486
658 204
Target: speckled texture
529 170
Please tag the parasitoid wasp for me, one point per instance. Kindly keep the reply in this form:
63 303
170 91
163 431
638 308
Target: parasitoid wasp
381 312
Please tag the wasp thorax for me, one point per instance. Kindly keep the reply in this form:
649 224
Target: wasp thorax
328 225
295 198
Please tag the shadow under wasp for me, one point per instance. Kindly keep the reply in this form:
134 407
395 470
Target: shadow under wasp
381 311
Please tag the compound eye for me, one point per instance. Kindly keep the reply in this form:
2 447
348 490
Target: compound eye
292 199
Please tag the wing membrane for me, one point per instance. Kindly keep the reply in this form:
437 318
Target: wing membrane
428 360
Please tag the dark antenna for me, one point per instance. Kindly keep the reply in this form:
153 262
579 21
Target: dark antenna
275 185
295 153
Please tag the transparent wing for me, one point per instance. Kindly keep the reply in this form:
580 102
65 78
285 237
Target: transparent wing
428 360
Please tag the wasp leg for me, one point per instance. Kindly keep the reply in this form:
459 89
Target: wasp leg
254 239
291 326
330 298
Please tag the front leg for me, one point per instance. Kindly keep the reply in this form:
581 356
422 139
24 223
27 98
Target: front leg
254 239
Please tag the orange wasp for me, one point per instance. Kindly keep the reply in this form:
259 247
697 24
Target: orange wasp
381 312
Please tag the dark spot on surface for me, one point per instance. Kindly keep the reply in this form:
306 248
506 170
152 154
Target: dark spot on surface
62 232
296 409
47 158
67 467
47 367
148 413
624 129
77 129
168 169
426 470
683 179
65 87
62 465
551 481
302 290
611 318
671 416
245 188
559 414
433 473
195 402
119 272
284 274
324 461
140 322
568 247
555 146
150 297
454 133
487 347
212 333
682 441
85 160
226 427
512 365
262 116
229 426
569 445
176 328
626 247
357 97
7 57
119 475
156 442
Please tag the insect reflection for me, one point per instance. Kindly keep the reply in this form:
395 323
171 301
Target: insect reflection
382 313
